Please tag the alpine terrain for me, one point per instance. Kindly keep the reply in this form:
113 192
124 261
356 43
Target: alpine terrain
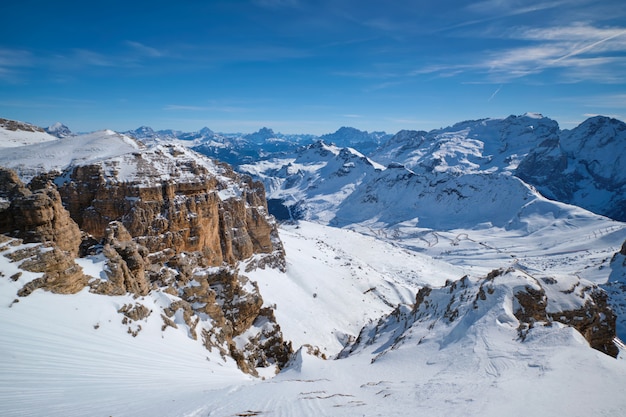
474 270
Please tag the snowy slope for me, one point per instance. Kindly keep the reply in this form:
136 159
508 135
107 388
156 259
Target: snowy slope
425 363
336 280
15 134
59 154
71 355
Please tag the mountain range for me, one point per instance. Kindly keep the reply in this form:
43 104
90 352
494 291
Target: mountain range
477 269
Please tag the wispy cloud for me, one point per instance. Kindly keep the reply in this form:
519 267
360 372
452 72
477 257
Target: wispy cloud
494 10
495 93
579 52
144 49
92 58
12 61
599 101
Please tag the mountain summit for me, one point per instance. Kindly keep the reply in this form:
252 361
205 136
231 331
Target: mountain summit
59 130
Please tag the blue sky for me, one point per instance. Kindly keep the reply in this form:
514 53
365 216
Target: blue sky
309 66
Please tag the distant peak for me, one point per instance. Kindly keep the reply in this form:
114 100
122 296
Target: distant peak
59 130
262 134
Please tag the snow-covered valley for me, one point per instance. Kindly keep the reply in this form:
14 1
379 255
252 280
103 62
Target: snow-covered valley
399 295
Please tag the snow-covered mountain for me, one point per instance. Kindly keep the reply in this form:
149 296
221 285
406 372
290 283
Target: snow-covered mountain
365 142
584 166
446 286
488 145
457 177
58 154
314 179
59 130
232 148
14 134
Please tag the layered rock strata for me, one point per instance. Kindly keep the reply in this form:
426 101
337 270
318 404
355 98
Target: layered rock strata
164 220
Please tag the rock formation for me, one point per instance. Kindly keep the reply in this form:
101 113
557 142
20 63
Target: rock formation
186 212
515 296
165 220
36 214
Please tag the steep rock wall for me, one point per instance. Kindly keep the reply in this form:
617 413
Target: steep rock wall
205 213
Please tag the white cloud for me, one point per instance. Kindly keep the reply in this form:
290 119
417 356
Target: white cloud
580 52
144 50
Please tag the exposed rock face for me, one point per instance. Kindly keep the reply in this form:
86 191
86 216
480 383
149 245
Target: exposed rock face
37 215
125 264
16 125
514 295
61 274
201 212
240 327
594 319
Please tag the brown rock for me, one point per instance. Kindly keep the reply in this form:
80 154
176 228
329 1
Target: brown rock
125 264
594 320
38 215
61 274
186 216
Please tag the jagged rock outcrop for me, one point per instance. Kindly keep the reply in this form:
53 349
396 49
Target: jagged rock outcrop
61 275
15 125
125 264
241 327
36 214
509 296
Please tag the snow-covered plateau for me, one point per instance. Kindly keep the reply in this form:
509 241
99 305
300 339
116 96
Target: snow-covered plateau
424 278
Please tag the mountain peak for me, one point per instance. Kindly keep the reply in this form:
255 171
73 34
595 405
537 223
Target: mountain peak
261 135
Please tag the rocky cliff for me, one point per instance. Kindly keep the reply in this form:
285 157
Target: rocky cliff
196 207
163 220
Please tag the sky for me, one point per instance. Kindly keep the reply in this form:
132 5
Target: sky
301 66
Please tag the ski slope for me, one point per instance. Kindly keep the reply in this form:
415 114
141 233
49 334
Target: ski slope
70 355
